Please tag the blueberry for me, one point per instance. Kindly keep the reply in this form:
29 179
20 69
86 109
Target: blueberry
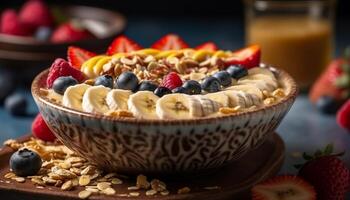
161 91
127 81
16 104
62 83
181 90
43 33
237 71
211 84
224 77
105 80
147 86
327 105
25 162
193 86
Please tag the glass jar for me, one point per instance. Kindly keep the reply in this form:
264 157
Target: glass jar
296 36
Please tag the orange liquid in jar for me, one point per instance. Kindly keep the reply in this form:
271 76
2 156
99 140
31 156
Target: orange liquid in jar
301 46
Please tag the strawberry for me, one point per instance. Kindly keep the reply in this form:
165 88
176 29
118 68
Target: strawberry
327 173
36 13
77 56
248 57
286 187
172 81
343 115
41 130
210 46
61 67
122 44
70 32
170 42
10 24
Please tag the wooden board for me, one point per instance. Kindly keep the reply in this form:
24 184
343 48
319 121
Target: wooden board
234 180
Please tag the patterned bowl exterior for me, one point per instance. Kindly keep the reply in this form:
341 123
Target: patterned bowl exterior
162 146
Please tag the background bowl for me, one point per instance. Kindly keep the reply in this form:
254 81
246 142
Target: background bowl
163 146
30 56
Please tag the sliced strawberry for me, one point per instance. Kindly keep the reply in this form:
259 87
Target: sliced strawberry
210 46
122 44
170 42
77 56
248 57
285 187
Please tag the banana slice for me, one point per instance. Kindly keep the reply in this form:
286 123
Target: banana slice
73 96
219 97
208 106
236 98
94 99
260 84
118 99
99 65
143 104
260 70
174 106
247 89
88 66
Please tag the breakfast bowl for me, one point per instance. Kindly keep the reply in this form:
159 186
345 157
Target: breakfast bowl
164 146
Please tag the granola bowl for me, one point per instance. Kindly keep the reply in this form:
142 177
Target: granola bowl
132 145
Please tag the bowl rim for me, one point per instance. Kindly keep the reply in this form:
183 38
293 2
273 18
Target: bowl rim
35 89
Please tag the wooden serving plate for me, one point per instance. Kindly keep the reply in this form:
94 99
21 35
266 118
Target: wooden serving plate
234 181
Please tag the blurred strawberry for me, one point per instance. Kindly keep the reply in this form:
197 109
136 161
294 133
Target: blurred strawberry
36 13
41 130
77 56
343 115
70 32
122 44
248 57
10 24
210 46
170 42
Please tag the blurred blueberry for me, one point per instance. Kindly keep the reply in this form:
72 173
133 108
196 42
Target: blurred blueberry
43 33
16 104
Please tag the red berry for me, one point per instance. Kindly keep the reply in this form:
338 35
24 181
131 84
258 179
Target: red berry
61 67
249 57
122 44
41 130
172 81
77 56
36 13
210 46
10 24
170 42
343 116
70 32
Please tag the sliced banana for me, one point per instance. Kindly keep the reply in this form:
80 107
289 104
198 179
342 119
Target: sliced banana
236 98
94 99
118 99
260 70
219 97
174 106
247 89
73 96
88 66
260 84
208 106
143 104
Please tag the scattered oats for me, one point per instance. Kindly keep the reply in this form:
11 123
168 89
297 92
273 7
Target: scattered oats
89 170
134 194
49 181
64 165
122 195
151 192
65 174
212 188
68 185
133 188
141 182
84 194
38 181
75 170
93 190
40 187
10 175
75 182
164 193
7 182
84 180
79 164
58 183
158 185
103 185
116 181
91 186
184 190
19 179
108 191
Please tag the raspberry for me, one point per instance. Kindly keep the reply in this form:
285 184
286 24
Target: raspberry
41 130
10 24
36 13
172 81
343 116
61 67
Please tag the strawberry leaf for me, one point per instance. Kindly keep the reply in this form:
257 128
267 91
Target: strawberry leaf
328 150
307 157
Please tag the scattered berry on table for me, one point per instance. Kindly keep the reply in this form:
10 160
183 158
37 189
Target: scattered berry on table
25 162
36 13
327 105
127 81
62 83
172 81
224 77
147 86
41 130
43 33
10 24
16 105
161 91
237 71
211 84
193 86
181 90
105 80
343 115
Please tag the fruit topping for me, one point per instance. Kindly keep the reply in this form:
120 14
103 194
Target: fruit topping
105 80
70 32
25 162
172 81
170 42
77 56
41 130
127 81
343 115
122 44
147 86
211 84
61 67
36 13
210 46
249 57
161 91
193 86
143 104
43 33
16 104
237 71
10 24
224 77
327 105
181 90
285 187
61 84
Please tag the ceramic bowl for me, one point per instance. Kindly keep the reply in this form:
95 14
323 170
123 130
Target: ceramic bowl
131 145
